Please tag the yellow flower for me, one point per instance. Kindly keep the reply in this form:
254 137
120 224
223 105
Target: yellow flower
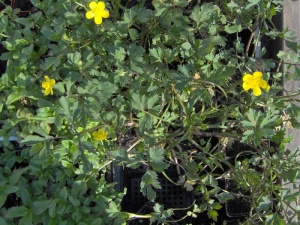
100 135
48 84
255 82
97 12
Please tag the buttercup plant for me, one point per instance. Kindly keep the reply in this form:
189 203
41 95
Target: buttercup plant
100 135
255 82
48 85
97 12
163 85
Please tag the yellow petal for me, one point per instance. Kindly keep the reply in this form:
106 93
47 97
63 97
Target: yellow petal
93 5
98 19
47 91
247 77
51 91
101 5
257 91
246 86
89 14
44 84
263 84
268 88
257 74
52 82
105 14
47 78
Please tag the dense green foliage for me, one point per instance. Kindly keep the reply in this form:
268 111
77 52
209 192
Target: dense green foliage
164 80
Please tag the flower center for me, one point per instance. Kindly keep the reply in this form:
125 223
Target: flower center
255 81
47 86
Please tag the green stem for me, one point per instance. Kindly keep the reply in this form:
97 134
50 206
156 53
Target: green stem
132 216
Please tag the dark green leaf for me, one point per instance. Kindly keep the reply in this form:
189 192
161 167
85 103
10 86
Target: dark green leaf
38 207
16 211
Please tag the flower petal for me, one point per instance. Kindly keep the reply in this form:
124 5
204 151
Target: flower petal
47 78
263 84
47 91
98 19
257 74
52 82
246 86
93 5
44 84
247 77
89 14
101 6
104 14
257 91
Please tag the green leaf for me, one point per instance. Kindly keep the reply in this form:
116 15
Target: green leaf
2 221
157 159
15 212
265 203
224 197
3 198
74 201
179 79
32 139
52 209
292 45
49 62
213 214
74 58
138 102
152 101
25 194
15 96
233 29
3 23
63 193
289 174
157 54
88 146
145 122
15 177
38 207
97 221
49 33
65 104
150 179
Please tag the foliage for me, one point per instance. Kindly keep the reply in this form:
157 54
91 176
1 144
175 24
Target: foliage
157 83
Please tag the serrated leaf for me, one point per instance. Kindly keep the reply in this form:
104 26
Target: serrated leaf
157 54
233 29
150 179
213 214
157 160
138 102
